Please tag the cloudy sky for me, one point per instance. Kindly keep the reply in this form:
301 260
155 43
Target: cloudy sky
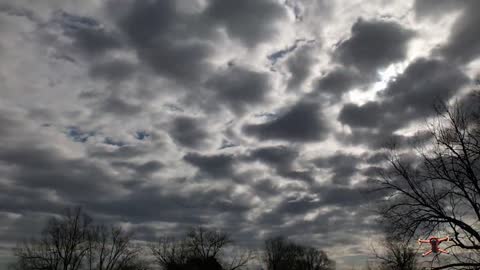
260 117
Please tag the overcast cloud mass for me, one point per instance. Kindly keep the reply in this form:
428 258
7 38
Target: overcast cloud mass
259 117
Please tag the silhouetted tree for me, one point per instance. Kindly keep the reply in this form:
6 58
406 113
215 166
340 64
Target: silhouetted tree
315 259
109 248
437 188
170 253
200 249
281 254
204 243
240 259
208 263
63 244
396 255
72 242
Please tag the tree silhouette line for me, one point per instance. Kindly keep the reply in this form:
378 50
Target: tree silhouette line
73 242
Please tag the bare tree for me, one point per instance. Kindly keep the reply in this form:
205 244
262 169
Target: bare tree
437 188
281 254
275 252
317 259
109 248
63 244
200 248
240 259
72 242
396 255
204 243
168 252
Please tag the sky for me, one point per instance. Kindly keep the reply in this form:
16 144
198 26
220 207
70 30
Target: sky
257 117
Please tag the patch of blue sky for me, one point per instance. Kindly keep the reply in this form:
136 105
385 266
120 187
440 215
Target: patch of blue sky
78 135
142 135
74 22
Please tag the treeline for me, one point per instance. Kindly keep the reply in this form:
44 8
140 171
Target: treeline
74 242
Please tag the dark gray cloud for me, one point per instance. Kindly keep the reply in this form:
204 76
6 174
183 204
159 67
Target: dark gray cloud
424 80
143 169
239 88
463 45
24 199
287 209
356 196
350 213
149 167
250 21
212 166
372 172
294 205
115 104
8 124
343 166
368 115
411 96
470 102
188 132
373 45
266 187
39 168
23 225
304 175
88 35
165 39
190 208
338 81
13 10
177 44
437 8
281 158
376 157
298 59
377 139
301 123
114 151
300 66
113 70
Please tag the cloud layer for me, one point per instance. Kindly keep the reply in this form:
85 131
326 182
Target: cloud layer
261 117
